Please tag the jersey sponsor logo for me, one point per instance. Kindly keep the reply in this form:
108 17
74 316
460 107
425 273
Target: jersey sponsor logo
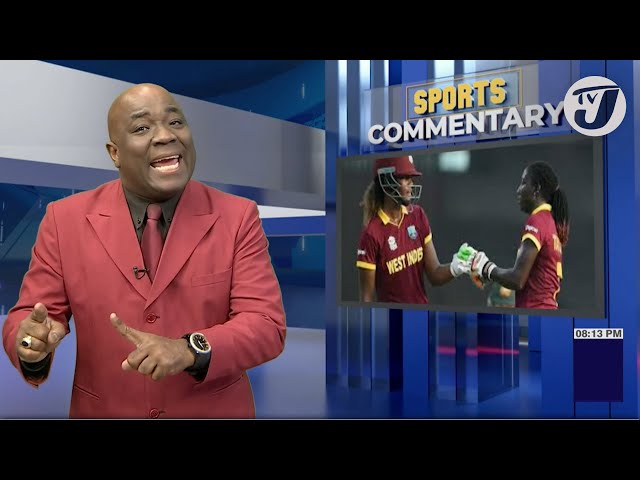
413 233
361 252
531 228
405 260
392 243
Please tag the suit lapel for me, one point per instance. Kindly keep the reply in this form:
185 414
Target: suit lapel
114 228
191 222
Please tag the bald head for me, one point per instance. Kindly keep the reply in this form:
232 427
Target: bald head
150 142
127 100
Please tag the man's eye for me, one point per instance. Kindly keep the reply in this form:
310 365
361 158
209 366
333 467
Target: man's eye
139 129
176 122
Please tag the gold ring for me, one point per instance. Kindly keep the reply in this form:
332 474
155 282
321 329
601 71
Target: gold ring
26 341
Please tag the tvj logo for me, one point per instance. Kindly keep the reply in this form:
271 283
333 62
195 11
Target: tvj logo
595 106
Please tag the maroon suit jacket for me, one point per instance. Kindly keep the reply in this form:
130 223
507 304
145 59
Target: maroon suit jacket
215 276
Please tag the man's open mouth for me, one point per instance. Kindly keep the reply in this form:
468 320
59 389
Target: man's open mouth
167 164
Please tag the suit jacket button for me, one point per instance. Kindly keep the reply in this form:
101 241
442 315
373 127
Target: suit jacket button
151 317
154 413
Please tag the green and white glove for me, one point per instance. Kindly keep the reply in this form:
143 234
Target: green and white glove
466 252
461 261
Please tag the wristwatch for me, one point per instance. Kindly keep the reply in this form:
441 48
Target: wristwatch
201 348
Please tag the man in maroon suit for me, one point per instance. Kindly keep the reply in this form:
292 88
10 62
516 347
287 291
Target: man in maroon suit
169 281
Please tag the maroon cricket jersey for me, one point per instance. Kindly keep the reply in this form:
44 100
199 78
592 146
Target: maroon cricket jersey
543 285
396 253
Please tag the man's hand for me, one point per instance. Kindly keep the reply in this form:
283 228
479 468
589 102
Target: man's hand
42 333
154 355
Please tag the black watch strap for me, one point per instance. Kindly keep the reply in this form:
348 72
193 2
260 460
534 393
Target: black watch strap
201 366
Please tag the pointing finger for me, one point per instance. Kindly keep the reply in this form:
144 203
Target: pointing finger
39 313
129 333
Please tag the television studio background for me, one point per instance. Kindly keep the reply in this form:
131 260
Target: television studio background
272 131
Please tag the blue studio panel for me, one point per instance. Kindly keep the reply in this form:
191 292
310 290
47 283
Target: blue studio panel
364 346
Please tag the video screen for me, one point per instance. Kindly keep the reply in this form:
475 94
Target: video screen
510 226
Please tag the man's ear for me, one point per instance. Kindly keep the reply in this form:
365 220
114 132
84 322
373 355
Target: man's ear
112 149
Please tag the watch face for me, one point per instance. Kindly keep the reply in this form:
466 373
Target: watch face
199 342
